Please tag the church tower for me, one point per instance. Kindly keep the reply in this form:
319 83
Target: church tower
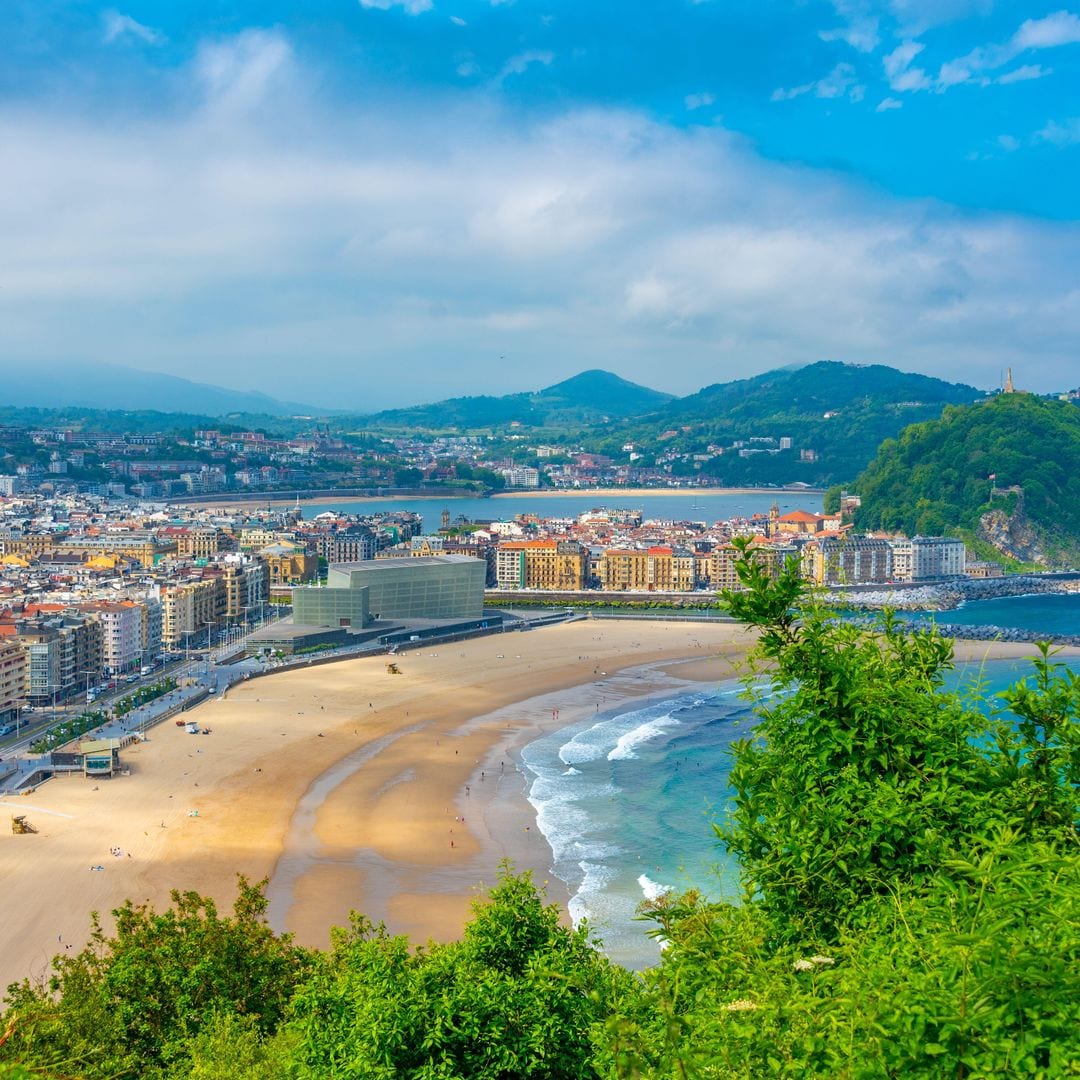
1009 388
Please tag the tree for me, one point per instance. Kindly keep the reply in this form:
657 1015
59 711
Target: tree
911 868
127 1005
518 997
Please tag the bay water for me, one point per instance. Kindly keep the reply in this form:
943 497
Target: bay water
703 505
627 799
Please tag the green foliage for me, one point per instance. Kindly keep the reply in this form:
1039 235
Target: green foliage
128 1006
975 975
912 871
64 732
586 398
518 997
866 404
934 477
231 1047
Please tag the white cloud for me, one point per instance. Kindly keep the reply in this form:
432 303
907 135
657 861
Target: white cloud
457 20
410 7
860 29
244 72
1008 143
918 16
119 27
520 63
1064 134
898 70
977 66
360 239
886 104
1061 28
699 101
840 81
1024 74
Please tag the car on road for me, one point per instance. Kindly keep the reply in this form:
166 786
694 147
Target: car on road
6 729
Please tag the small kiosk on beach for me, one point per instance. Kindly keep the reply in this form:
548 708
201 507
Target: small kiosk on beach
91 757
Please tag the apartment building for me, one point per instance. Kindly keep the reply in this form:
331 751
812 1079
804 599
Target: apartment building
203 543
903 558
122 634
12 678
937 557
541 564
254 538
247 586
63 651
849 560
350 545
624 570
188 609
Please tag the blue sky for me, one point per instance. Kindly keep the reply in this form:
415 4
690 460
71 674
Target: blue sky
376 202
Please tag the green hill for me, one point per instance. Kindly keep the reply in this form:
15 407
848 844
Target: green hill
839 412
588 398
935 478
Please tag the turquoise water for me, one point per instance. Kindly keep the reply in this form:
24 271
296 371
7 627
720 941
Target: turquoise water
689 507
1045 614
626 801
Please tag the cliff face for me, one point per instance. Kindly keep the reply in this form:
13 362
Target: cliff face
1015 536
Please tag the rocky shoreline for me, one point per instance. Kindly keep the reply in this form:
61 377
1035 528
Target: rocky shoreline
1001 633
947 595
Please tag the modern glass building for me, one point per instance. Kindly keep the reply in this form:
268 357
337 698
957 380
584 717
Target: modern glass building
432 587
315 606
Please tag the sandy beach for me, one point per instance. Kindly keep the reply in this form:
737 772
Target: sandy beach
348 787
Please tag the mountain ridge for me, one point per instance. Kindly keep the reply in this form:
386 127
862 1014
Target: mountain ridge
64 384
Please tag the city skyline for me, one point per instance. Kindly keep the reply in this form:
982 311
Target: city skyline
397 201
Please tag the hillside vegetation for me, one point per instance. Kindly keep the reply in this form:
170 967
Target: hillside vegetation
911 909
841 412
935 477
590 397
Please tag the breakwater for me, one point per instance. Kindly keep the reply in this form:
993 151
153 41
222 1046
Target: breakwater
1002 633
949 594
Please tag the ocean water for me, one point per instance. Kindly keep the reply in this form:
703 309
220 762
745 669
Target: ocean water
696 506
626 801
1050 614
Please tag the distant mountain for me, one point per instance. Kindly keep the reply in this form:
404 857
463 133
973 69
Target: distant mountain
936 477
808 392
110 386
589 398
835 415
602 390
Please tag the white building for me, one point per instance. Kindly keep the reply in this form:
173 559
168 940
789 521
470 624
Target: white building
122 635
937 557
521 476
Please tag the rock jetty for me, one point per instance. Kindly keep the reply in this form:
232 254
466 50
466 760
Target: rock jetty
949 594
